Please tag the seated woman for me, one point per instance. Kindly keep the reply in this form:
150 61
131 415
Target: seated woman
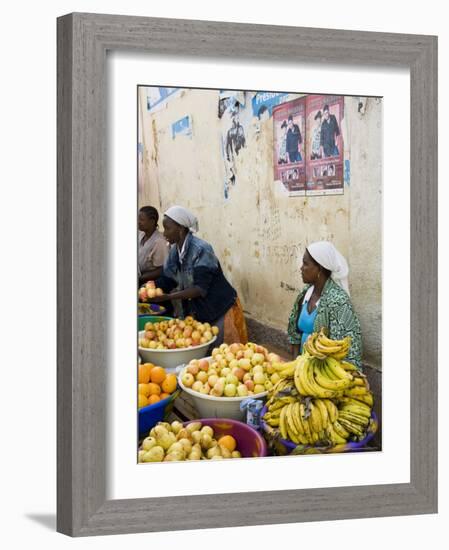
153 249
193 276
324 301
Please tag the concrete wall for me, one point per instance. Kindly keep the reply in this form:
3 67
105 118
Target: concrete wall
259 233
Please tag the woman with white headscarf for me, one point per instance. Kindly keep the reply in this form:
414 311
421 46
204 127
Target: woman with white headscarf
192 277
324 301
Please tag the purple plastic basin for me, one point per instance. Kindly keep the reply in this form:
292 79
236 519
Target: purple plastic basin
349 446
249 442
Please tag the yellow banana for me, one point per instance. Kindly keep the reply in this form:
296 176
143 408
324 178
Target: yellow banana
331 409
296 416
315 389
334 436
340 430
305 423
315 418
310 347
291 432
322 378
334 366
362 421
355 401
328 341
323 412
348 366
282 424
356 409
351 427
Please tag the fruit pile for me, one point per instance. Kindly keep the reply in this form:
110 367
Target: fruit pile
168 442
177 334
321 400
154 384
149 291
235 370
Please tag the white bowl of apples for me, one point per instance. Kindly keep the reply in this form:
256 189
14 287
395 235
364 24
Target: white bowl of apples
218 384
175 342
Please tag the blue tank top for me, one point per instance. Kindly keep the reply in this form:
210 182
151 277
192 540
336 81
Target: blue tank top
306 321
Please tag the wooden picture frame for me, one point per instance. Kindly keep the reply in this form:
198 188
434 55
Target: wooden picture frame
83 41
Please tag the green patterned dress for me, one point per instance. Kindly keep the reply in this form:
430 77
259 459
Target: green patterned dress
336 314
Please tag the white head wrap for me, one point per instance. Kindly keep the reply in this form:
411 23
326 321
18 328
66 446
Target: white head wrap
325 253
183 216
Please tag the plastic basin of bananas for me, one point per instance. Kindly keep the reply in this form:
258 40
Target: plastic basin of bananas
283 446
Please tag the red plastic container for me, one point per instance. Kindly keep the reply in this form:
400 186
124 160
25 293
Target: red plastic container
249 442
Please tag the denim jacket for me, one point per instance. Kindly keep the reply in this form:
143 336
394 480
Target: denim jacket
198 267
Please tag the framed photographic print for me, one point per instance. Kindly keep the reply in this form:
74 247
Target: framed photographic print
256 151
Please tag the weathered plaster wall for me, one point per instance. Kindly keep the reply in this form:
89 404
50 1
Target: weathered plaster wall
260 234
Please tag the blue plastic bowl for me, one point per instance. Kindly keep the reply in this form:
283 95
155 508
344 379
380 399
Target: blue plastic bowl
150 415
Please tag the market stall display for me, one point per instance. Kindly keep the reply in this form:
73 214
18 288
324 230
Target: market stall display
172 358
320 401
144 319
157 391
155 384
218 384
203 439
149 291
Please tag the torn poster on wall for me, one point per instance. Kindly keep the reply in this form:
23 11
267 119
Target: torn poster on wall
233 135
182 127
289 156
230 99
324 144
263 102
157 97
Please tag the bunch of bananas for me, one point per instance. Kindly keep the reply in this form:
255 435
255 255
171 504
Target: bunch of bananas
320 401
320 346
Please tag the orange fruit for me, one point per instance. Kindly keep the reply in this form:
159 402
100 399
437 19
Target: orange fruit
154 389
144 389
142 401
169 384
164 396
157 375
228 441
153 399
144 373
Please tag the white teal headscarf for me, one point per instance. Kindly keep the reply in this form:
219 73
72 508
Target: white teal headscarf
184 217
325 253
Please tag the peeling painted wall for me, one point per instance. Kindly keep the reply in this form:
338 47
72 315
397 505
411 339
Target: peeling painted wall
259 233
